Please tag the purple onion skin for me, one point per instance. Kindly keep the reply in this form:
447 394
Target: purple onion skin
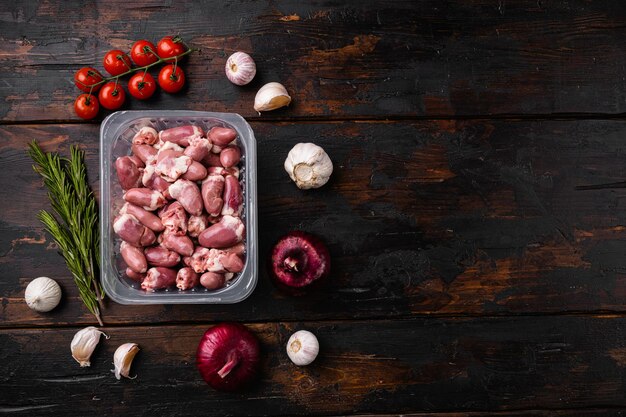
224 341
310 257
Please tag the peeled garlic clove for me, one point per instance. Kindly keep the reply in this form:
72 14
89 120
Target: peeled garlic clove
123 358
240 68
308 165
302 347
84 343
42 294
271 97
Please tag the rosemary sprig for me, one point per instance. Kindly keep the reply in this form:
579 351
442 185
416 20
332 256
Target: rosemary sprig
75 226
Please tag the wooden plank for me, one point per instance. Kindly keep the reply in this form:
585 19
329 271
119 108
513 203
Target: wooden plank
526 413
364 59
447 218
419 365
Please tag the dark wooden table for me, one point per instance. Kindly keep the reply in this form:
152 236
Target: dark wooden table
470 277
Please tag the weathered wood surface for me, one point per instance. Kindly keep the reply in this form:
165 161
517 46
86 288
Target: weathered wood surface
456 128
447 218
505 364
526 413
365 59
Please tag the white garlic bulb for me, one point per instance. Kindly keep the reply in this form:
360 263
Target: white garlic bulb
302 347
308 165
42 294
240 68
84 343
270 97
123 358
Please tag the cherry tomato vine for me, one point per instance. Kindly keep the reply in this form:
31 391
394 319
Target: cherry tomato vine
141 85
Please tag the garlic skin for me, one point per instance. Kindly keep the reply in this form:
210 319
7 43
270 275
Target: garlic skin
84 343
123 358
302 347
308 165
271 97
240 68
42 294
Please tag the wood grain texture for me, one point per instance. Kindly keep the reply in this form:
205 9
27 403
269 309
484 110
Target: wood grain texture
445 218
366 59
526 413
470 277
427 365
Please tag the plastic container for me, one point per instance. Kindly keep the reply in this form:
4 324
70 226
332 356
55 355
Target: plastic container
116 134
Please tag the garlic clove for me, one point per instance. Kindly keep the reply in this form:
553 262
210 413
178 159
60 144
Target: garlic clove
84 343
240 68
123 359
42 294
271 97
302 347
308 165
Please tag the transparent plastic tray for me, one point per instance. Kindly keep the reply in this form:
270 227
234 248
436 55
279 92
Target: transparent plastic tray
116 133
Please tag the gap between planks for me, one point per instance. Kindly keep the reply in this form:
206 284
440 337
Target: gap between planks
589 314
372 119
581 411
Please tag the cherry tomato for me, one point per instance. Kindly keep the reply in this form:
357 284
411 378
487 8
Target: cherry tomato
170 46
171 80
86 77
86 106
140 86
112 96
143 53
116 62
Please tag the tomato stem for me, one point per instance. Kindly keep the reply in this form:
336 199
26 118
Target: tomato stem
179 39
121 58
144 68
174 77
148 49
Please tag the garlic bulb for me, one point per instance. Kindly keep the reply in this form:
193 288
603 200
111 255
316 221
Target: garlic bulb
308 165
240 68
302 347
84 343
123 358
270 97
42 294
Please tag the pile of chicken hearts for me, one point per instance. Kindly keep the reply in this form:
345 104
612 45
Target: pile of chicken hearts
180 224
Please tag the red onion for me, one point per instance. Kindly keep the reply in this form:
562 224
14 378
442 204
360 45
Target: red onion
228 356
299 259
